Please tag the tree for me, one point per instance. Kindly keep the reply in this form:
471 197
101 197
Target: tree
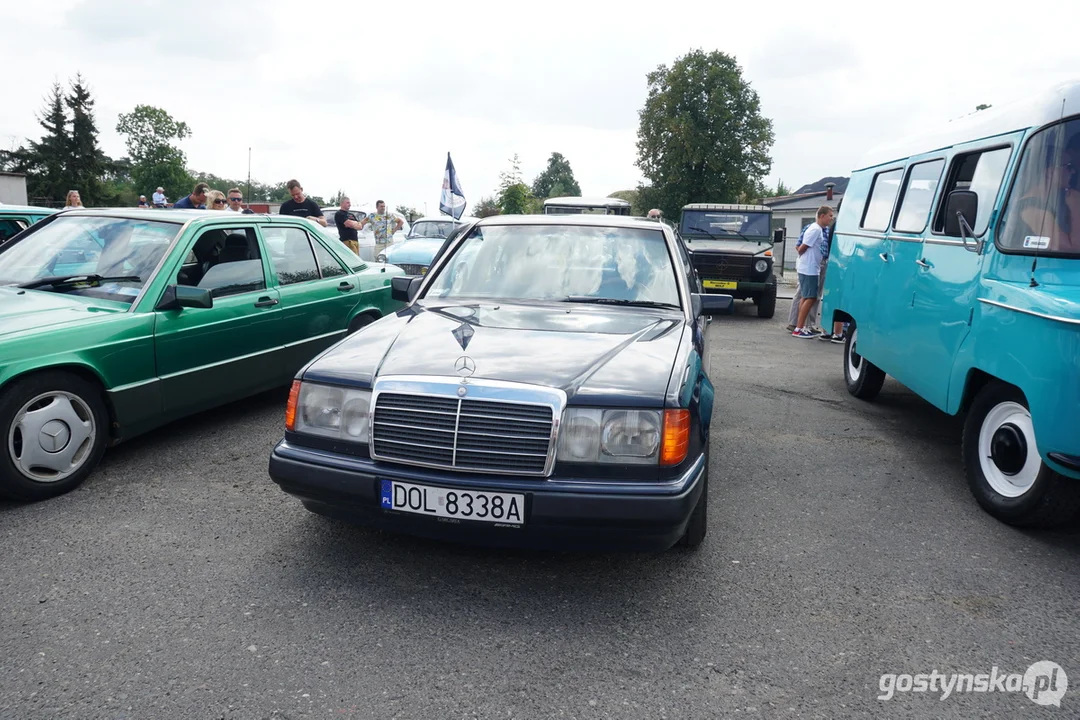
515 197
44 162
486 207
409 213
701 136
156 161
633 197
982 107
86 161
557 180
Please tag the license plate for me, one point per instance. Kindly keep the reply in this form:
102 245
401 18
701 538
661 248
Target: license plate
491 507
720 284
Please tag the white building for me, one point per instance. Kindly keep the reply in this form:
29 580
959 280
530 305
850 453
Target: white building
796 211
12 188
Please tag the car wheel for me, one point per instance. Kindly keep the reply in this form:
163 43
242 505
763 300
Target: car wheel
766 303
358 322
1004 469
863 378
55 428
699 518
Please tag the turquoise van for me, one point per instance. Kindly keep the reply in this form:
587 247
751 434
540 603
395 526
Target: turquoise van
956 261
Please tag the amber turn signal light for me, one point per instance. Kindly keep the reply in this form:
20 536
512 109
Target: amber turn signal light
290 409
676 442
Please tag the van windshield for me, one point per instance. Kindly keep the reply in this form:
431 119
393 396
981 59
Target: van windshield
727 224
1043 212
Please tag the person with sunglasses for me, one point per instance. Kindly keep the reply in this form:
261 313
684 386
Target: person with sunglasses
215 200
236 202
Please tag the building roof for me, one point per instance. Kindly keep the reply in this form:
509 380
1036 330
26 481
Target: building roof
1035 110
812 199
839 186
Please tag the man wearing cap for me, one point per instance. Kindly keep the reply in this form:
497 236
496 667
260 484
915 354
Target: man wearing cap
159 198
142 202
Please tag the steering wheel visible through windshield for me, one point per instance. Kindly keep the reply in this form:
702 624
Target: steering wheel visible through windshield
105 257
556 262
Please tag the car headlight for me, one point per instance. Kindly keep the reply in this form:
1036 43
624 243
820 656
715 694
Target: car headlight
381 258
611 436
761 265
330 412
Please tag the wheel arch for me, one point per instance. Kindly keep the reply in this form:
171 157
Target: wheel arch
79 370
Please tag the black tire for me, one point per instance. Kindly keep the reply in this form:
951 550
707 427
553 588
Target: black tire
863 378
699 518
1008 478
358 322
766 303
85 399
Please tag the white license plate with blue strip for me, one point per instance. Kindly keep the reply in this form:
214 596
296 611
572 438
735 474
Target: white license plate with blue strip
440 502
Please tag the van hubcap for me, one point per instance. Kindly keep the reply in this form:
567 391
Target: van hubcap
1008 456
854 360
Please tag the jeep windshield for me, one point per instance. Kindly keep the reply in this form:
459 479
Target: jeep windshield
564 263
103 257
727 225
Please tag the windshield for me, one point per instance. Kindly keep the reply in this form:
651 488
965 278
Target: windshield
554 262
727 224
431 229
1043 212
75 246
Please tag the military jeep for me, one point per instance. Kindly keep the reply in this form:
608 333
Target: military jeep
730 247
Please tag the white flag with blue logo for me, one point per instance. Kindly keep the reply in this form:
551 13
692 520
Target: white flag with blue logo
452 201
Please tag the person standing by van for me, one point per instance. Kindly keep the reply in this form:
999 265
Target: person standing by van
808 267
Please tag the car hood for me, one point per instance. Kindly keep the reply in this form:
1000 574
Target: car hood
610 356
418 251
728 247
22 310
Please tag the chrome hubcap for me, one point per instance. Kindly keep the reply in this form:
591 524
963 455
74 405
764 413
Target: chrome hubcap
51 436
1008 456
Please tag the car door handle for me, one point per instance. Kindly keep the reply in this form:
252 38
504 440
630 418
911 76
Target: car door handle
345 286
924 264
884 257
266 302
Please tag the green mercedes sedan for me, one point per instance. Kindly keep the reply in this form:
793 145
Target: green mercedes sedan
115 322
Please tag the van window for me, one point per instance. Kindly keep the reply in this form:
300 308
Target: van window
918 197
980 172
1043 211
883 193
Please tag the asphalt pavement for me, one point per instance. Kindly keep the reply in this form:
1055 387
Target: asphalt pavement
180 582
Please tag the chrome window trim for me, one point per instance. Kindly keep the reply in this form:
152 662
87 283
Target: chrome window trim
1045 316
481 390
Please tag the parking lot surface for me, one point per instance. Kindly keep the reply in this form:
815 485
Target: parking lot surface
180 582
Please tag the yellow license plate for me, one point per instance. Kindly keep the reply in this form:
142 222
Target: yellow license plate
720 284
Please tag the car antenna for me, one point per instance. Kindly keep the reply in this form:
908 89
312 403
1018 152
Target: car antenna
1035 260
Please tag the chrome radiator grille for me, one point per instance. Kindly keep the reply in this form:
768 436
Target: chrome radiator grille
462 433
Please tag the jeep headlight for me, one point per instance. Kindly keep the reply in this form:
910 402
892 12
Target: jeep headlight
610 436
333 412
761 266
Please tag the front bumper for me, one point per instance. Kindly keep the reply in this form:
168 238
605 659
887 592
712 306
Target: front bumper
560 514
737 288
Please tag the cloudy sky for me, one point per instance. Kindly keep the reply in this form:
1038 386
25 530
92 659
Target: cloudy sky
369 98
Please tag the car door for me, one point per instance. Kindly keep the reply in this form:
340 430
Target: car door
317 293
947 278
209 356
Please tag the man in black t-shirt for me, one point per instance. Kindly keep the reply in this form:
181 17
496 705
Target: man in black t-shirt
300 205
347 227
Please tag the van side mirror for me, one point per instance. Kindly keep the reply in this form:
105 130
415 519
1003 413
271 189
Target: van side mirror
405 287
961 209
712 304
185 296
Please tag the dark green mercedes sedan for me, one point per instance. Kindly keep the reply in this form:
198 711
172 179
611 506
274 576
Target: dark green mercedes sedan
115 322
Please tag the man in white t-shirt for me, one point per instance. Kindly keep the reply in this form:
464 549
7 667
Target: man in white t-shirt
808 266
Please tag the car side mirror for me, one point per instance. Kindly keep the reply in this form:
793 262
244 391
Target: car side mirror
405 287
185 296
712 304
961 209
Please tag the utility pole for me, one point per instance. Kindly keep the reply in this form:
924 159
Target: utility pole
249 176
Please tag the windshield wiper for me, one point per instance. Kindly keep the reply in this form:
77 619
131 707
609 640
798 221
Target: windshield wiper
616 301
57 280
